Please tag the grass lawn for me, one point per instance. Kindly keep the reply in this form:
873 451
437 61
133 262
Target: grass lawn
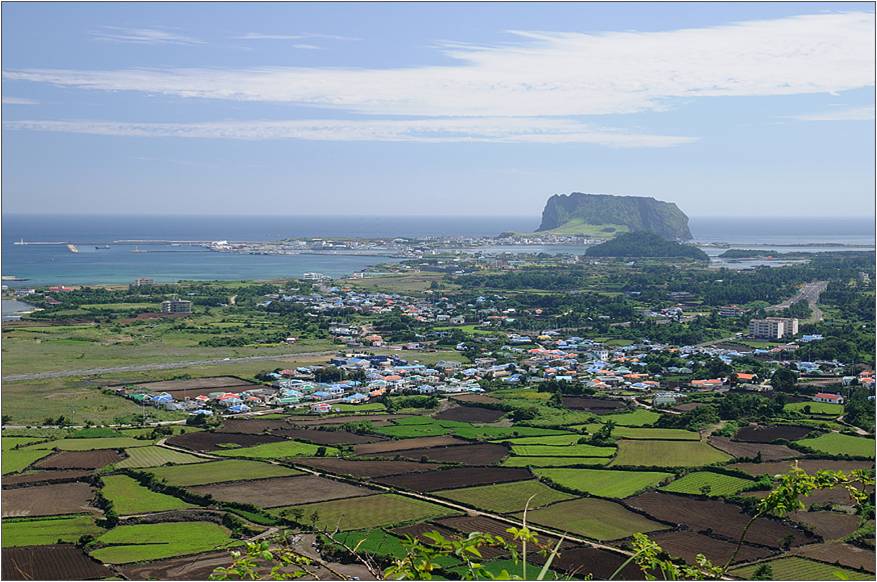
47 530
367 512
593 518
153 456
16 460
794 568
220 471
278 450
834 443
92 444
553 461
708 483
562 451
604 482
818 408
365 407
506 497
152 541
129 497
667 454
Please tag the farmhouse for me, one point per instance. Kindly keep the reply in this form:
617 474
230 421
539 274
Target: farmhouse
828 397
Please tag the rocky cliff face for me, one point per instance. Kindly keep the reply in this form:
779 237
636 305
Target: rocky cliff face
638 213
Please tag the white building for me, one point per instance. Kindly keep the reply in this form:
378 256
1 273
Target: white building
176 306
773 327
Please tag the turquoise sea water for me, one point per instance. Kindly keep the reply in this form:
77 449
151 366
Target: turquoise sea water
54 264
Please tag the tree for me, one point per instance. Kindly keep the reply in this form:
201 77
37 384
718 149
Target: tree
784 379
763 572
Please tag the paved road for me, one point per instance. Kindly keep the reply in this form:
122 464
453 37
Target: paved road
156 366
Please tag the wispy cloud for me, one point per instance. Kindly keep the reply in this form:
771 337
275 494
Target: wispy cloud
299 36
19 101
310 47
435 130
143 36
849 114
546 73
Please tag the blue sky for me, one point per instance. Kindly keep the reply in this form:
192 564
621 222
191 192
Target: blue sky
453 109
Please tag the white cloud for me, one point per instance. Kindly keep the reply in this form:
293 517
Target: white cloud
546 73
850 114
310 47
19 101
435 130
142 36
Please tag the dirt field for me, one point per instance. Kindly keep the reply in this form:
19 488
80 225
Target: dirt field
479 523
66 476
276 492
475 414
838 553
743 450
720 518
456 477
59 499
252 426
326 437
80 459
687 544
196 567
767 434
483 454
809 465
387 448
598 405
55 562
211 441
375 419
829 525
579 561
200 385
475 398
366 469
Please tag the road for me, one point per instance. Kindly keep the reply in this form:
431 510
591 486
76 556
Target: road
157 366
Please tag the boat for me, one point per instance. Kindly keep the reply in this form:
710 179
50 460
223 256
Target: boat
101 247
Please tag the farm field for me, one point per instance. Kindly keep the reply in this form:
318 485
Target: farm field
767 434
840 444
456 477
55 499
280 491
369 512
279 450
219 441
553 461
795 568
739 449
603 482
506 497
91 444
219 471
44 531
154 456
51 562
364 469
15 460
593 518
559 439
137 543
707 483
638 417
688 544
675 434
667 454
129 497
80 459
474 454
817 408
562 451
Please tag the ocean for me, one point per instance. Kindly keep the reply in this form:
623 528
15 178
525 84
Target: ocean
54 264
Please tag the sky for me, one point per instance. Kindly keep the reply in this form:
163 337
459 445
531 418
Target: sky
738 109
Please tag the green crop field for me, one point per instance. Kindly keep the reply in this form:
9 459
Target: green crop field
818 408
92 444
506 569
708 483
597 519
669 434
152 541
667 454
562 451
558 439
278 450
604 482
47 530
220 471
506 497
129 497
10 442
155 457
367 512
365 407
794 568
834 443
16 460
638 417
553 461
499 432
